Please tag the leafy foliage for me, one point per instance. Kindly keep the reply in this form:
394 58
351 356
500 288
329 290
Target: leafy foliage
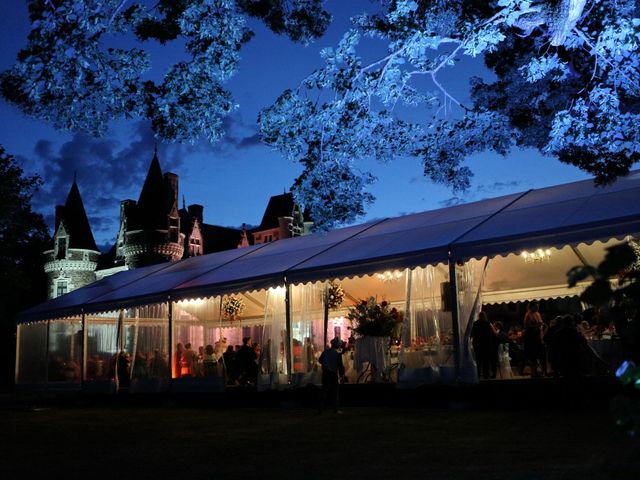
68 76
620 296
23 237
370 318
567 83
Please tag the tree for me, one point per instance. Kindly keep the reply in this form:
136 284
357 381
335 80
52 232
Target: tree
23 238
567 83
616 289
68 77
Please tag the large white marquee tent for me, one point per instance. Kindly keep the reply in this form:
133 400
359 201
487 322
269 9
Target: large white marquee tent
472 250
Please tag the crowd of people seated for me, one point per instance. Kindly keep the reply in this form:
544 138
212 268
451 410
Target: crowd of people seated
560 347
238 365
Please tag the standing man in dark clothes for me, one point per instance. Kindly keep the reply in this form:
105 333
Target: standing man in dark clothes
229 359
246 362
569 349
482 334
122 367
332 372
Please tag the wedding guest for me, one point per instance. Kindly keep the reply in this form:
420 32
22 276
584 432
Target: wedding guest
499 338
569 348
482 338
209 362
122 368
245 362
533 346
189 362
229 359
516 349
554 325
220 347
158 367
139 366
332 373
179 360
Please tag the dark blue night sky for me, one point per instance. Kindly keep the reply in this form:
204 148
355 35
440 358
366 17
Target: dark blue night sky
235 178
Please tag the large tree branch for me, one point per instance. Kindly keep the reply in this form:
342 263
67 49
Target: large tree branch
588 41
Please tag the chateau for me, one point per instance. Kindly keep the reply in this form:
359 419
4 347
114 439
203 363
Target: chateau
153 230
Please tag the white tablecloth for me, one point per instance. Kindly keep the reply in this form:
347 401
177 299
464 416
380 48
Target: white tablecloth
374 350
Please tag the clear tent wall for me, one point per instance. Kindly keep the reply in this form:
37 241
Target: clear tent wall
291 325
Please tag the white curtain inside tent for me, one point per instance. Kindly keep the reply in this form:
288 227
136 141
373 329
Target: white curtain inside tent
146 339
307 330
101 345
273 363
65 350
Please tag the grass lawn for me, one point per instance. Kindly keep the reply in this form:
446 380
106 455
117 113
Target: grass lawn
133 441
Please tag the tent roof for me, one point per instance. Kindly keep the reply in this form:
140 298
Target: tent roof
554 216
557 216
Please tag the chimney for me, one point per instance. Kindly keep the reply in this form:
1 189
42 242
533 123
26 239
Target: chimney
171 191
196 211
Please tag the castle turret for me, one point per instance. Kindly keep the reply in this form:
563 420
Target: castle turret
72 261
152 232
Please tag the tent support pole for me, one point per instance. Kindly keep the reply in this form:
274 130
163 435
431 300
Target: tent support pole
170 337
407 308
17 356
46 364
83 349
325 301
287 306
455 316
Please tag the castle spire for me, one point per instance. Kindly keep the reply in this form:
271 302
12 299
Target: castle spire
76 222
152 197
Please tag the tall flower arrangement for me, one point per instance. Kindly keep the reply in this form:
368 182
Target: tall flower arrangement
335 295
370 318
232 307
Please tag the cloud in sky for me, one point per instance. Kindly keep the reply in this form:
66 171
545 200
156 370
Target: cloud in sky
109 171
482 191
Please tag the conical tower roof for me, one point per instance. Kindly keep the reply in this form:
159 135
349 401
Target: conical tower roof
76 222
151 213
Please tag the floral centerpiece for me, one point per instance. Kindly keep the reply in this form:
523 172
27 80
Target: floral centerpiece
335 295
370 318
232 307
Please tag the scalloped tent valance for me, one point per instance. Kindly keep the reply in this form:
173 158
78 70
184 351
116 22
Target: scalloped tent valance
549 217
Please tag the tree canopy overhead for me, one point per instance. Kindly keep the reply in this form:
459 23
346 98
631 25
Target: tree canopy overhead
567 83
67 74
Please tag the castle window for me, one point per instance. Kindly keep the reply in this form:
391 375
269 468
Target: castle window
61 288
62 248
85 256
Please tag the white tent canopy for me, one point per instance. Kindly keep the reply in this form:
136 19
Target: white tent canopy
569 214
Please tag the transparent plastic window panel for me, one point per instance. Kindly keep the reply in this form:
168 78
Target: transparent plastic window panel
428 335
146 341
307 331
32 353
365 355
101 346
198 326
273 361
65 350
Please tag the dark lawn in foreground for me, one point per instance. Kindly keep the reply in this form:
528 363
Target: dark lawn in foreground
133 441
